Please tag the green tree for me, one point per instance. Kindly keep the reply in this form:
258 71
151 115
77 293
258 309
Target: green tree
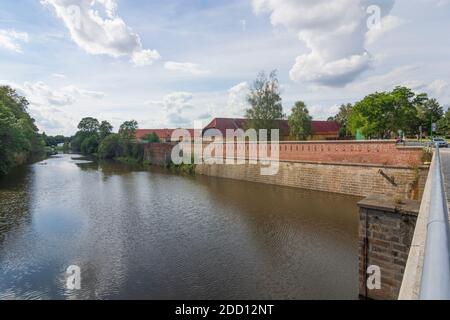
128 129
105 129
382 114
90 145
444 124
300 121
343 116
429 111
89 125
110 147
19 138
152 137
265 103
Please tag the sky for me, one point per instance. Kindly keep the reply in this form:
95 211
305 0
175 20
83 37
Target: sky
169 63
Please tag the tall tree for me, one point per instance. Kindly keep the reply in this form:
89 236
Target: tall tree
19 136
105 129
300 121
382 114
128 129
429 111
265 103
444 124
342 117
89 125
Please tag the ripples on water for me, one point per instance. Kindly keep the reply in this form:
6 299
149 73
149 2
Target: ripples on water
140 234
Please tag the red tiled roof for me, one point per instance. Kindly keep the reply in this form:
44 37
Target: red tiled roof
318 127
165 134
324 127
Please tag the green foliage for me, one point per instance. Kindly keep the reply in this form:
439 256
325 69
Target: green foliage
265 103
427 155
110 147
54 141
382 114
128 129
300 121
342 118
105 129
89 125
152 137
19 138
444 125
90 145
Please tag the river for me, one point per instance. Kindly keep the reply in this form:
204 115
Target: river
142 233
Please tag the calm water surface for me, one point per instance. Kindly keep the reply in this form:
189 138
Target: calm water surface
140 234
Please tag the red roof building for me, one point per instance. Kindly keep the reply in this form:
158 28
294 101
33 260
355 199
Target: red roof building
321 130
164 135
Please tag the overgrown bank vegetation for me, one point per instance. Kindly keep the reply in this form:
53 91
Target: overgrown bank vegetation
19 137
97 139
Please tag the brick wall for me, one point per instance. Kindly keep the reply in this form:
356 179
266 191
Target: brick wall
358 180
386 229
157 153
356 152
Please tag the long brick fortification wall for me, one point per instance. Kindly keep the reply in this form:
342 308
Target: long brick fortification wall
348 167
337 152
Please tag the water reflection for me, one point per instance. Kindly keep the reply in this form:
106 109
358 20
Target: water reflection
154 235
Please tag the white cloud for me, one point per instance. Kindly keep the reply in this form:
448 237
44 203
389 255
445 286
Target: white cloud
11 40
237 100
387 81
39 94
46 103
175 107
59 75
186 67
333 31
387 24
439 89
323 112
100 35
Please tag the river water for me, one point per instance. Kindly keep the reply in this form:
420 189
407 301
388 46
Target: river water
149 234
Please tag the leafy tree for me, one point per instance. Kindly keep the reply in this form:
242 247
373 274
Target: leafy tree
300 121
110 147
77 140
382 114
429 111
89 145
374 115
342 118
152 137
19 138
128 129
89 125
444 124
265 103
105 129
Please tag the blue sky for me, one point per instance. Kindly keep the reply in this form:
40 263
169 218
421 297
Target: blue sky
168 63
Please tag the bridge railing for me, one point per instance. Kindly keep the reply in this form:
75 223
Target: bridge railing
435 281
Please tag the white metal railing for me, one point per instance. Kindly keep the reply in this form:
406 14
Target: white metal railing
435 282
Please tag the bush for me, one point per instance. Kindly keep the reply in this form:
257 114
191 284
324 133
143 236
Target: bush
89 145
152 137
110 147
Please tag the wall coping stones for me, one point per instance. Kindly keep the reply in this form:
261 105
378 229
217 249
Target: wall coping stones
384 203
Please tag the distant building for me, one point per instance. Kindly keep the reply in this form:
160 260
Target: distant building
164 135
321 130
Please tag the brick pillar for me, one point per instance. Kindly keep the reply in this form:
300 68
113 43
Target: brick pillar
386 229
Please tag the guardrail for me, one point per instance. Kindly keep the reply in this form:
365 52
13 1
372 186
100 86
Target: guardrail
435 282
